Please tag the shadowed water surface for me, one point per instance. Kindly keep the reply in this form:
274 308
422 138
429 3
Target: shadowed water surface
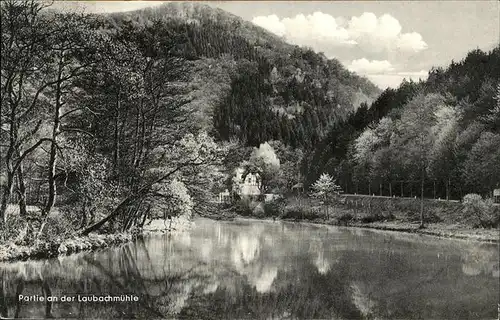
265 270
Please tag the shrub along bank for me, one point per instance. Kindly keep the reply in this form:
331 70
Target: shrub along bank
472 218
59 237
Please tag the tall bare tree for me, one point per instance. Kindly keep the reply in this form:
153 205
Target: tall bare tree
23 50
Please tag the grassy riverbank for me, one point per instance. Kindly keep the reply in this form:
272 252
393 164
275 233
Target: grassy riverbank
64 244
442 218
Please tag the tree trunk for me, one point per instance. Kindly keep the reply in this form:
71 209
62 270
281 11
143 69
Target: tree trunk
326 205
129 201
136 138
149 135
402 191
434 186
7 193
390 189
136 134
448 189
116 138
9 186
23 212
83 221
142 141
422 198
53 155
380 189
51 199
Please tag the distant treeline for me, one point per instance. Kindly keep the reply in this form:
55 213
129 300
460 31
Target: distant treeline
442 135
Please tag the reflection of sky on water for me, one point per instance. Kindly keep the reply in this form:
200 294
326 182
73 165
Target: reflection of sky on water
322 264
265 279
362 299
244 250
271 269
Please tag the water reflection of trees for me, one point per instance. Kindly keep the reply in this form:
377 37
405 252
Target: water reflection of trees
256 272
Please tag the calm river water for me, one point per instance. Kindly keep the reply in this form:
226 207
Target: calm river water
263 270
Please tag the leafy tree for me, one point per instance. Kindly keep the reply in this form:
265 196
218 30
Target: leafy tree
325 188
363 155
442 156
69 35
187 155
414 138
481 169
289 170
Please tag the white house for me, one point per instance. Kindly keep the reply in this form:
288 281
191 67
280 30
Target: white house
496 195
224 197
250 186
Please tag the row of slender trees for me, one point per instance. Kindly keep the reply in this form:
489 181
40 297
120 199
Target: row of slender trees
442 134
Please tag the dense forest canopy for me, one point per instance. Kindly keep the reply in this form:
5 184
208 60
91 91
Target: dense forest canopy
443 133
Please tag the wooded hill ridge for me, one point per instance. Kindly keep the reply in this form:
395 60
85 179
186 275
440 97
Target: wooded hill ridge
248 83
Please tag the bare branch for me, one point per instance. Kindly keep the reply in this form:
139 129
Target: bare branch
77 130
29 150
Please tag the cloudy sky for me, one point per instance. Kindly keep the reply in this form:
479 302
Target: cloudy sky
385 41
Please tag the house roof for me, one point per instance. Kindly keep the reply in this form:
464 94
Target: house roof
298 185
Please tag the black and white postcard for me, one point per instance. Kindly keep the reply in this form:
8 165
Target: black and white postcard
250 160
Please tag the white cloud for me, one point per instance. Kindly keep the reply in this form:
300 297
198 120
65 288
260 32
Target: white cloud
411 42
365 66
367 31
378 39
271 23
365 23
368 24
383 34
314 30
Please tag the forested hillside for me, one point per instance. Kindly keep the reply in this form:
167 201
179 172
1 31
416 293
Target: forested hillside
254 86
442 134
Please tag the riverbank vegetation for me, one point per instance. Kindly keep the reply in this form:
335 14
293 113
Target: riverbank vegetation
476 219
110 121
97 135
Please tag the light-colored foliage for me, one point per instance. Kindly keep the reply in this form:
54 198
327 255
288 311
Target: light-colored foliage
480 211
265 158
176 199
265 163
325 187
